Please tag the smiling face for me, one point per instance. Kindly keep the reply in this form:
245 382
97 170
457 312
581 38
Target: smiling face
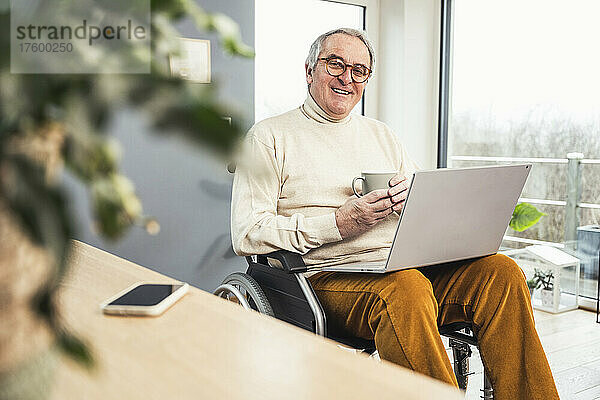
337 96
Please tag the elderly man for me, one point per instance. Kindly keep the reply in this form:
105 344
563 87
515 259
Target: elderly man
292 191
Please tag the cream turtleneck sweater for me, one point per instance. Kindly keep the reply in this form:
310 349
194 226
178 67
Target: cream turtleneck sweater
295 170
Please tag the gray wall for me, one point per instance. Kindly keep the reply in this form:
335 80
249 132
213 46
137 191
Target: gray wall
186 189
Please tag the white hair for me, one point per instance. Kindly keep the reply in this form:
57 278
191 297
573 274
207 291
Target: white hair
317 46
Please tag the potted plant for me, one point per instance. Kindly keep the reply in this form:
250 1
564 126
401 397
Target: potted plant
545 281
531 284
48 121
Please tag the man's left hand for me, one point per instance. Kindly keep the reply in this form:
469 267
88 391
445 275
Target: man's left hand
398 191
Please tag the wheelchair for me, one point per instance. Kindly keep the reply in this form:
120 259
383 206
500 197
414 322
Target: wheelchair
274 284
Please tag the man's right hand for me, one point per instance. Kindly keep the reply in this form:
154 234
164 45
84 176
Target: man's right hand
358 215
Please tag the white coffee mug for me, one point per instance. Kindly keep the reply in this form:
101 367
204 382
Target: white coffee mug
373 180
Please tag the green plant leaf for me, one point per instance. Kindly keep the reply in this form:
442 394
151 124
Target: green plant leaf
116 206
524 217
76 349
543 278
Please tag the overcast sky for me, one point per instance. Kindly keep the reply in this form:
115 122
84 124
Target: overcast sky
511 56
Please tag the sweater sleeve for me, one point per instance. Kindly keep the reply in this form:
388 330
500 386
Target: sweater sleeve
255 226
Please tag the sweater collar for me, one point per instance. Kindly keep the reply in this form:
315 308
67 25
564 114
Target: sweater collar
312 110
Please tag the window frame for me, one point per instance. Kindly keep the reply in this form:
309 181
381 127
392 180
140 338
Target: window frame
444 109
444 82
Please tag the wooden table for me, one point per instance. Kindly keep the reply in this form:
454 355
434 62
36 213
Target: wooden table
208 348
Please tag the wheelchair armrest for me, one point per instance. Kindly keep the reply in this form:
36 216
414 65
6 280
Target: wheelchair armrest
290 262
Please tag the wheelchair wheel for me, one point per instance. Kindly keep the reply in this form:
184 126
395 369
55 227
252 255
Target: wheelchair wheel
243 289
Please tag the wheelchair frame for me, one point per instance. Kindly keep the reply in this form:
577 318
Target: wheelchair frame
279 277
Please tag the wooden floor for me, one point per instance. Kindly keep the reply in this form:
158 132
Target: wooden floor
572 344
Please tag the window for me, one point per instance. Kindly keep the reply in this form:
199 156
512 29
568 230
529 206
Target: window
523 84
284 31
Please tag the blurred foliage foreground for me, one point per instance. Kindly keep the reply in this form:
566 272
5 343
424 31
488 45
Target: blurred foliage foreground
48 121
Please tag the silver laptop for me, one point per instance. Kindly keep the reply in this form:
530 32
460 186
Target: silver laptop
451 215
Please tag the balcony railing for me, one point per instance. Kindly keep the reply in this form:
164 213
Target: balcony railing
574 161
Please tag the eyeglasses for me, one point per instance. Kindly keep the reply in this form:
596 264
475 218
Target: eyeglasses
335 66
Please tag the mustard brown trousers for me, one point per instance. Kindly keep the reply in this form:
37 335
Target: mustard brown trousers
401 311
